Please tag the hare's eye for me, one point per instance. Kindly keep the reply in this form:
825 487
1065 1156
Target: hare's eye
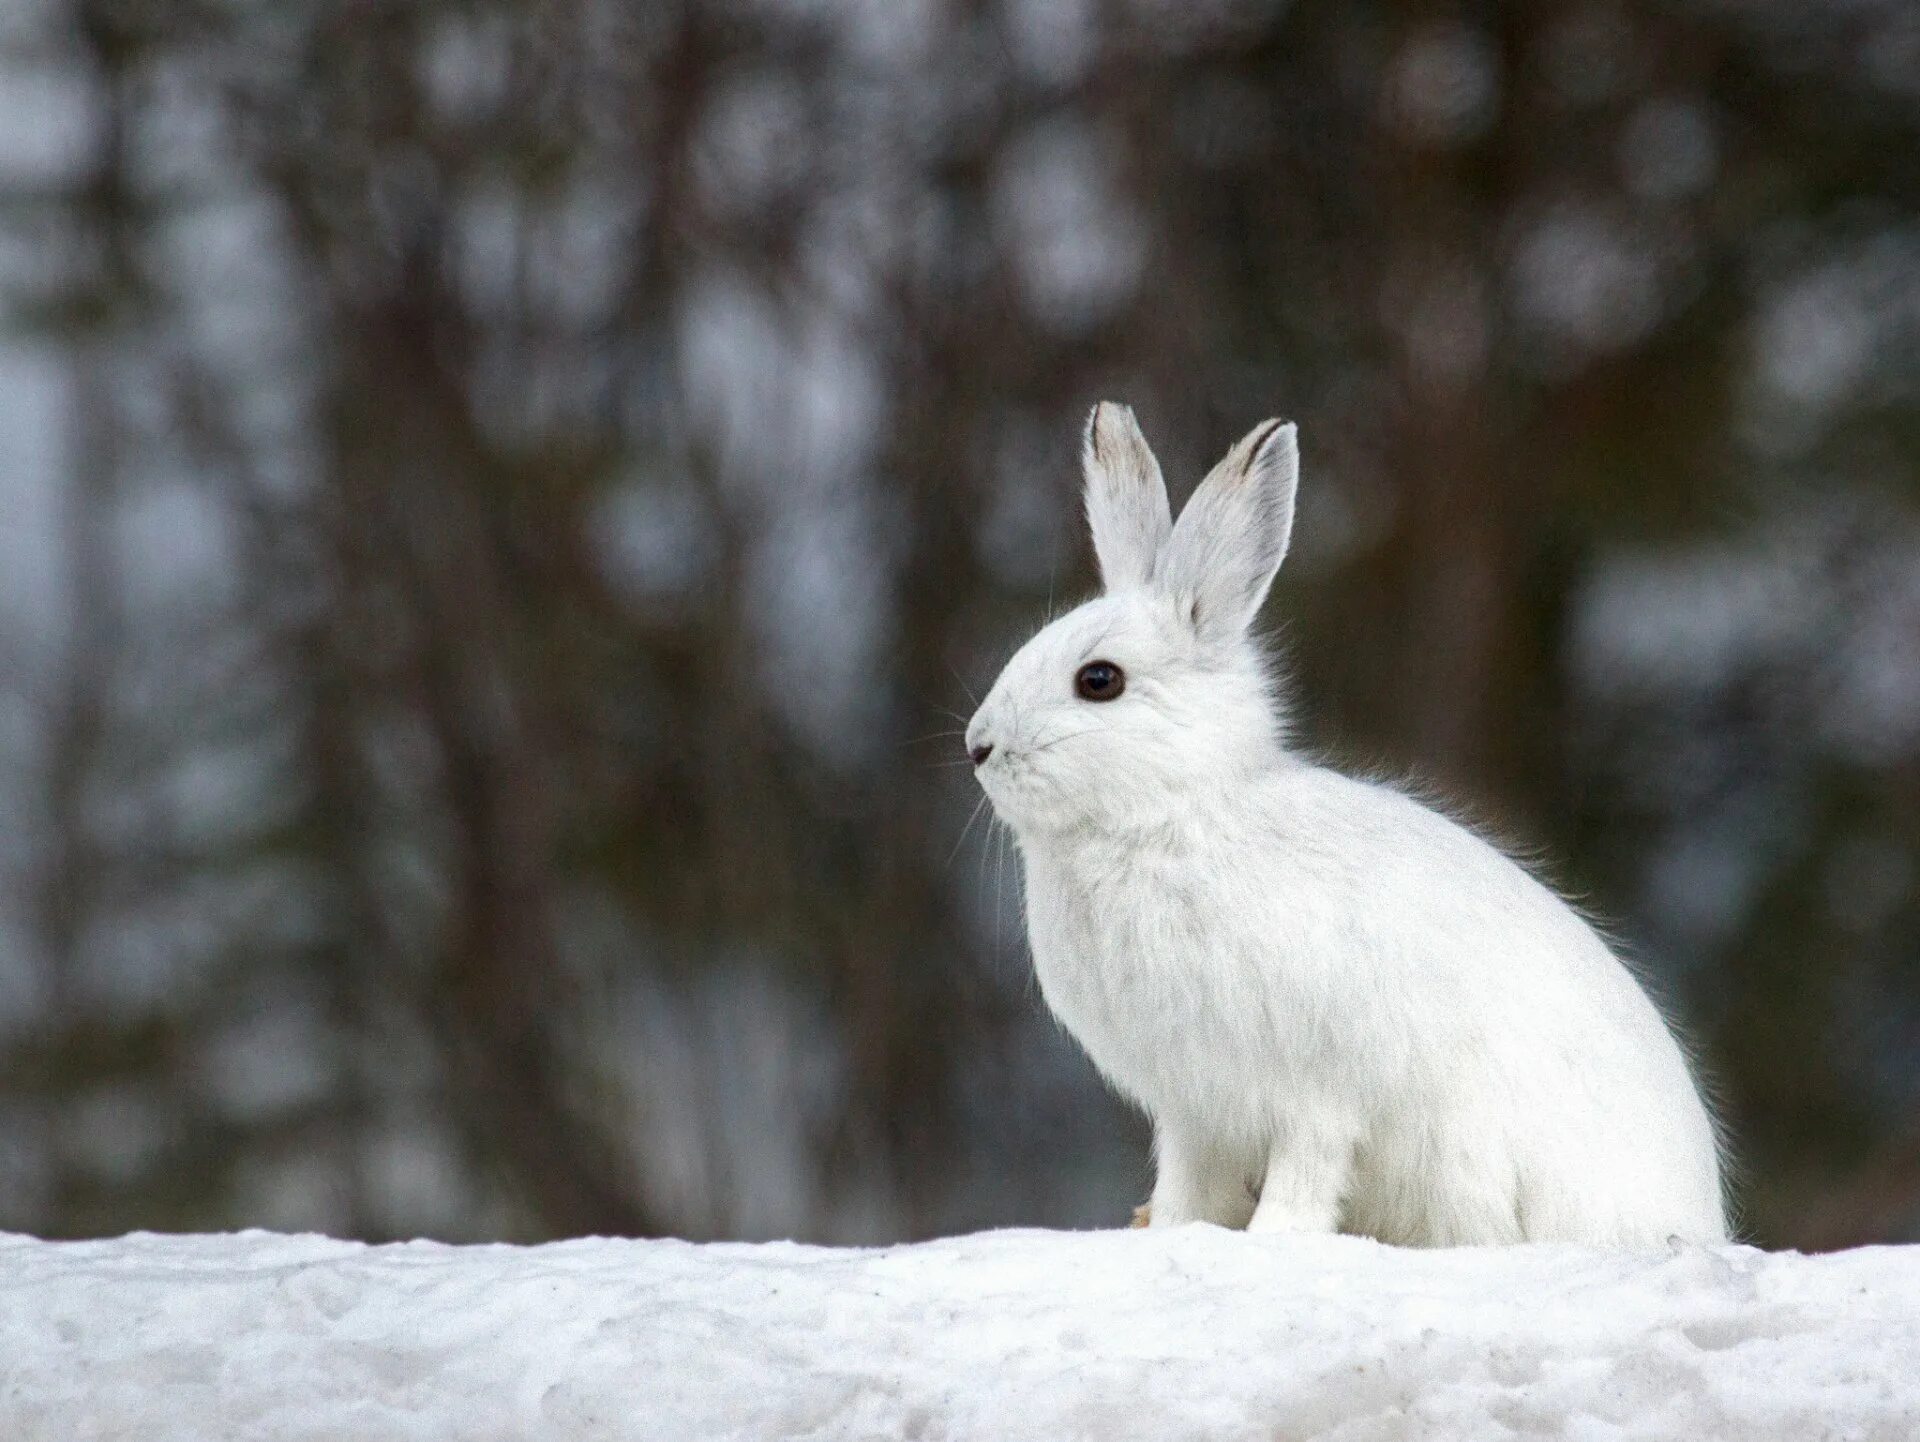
1099 681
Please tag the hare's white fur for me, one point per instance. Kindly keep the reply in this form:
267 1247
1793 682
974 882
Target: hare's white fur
1340 1009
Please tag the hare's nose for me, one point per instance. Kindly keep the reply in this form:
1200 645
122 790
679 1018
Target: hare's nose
979 754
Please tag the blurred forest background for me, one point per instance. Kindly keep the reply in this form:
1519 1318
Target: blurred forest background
497 500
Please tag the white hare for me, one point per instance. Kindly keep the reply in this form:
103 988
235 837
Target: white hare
1340 1009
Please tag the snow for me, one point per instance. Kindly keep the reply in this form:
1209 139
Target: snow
1187 1332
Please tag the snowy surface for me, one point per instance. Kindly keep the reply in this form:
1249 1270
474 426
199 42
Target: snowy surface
1191 1332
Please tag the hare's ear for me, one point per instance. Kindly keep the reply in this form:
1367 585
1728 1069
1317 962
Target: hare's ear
1126 499
1233 533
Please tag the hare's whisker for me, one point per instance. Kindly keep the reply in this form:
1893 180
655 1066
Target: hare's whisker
933 736
963 684
972 817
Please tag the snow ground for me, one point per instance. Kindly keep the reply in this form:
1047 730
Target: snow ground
1190 1332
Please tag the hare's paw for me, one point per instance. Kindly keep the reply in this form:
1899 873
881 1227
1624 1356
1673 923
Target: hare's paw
1197 1182
1305 1182
1142 1216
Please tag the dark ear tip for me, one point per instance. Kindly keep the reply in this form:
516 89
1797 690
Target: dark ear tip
1268 432
1102 414
1260 444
